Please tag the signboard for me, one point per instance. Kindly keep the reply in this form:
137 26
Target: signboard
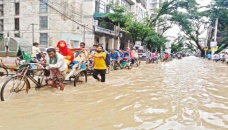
138 43
213 44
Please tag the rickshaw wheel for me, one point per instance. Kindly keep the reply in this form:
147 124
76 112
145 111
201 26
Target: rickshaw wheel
13 86
3 71
81 77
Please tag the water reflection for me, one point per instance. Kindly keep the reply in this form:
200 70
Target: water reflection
189 94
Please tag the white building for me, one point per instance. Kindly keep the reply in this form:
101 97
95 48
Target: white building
106 33
50 20
152 6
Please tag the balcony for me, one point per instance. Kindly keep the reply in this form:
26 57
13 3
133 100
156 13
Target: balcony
105 27
104 30
139 1
130 2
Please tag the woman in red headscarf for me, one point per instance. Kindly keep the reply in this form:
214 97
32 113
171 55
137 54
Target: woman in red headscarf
65 51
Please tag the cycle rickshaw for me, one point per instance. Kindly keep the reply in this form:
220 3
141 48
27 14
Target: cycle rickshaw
9 51
35 72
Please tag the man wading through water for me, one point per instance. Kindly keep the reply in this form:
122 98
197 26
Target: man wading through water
57 65
99 64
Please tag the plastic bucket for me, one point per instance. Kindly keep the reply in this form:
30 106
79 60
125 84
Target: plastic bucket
124 63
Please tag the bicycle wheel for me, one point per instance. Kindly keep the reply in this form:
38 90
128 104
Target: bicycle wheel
3 71
13 86
80 78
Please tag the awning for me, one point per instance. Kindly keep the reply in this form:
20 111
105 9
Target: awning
98 15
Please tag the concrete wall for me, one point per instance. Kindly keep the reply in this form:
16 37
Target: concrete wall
59 26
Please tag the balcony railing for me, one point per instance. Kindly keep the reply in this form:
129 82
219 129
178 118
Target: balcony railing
130 2
104 30
105 27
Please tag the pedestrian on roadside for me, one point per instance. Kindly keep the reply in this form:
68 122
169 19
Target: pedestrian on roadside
36 53
99 64
93 51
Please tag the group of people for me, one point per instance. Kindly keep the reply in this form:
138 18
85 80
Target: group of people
216 57
154 56
60 58
119 55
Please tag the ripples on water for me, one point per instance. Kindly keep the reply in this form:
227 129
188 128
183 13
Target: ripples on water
186 94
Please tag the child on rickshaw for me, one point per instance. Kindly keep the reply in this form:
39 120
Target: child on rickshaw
65 51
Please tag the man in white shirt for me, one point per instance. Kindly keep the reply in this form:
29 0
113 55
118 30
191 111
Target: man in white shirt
57 65
35 51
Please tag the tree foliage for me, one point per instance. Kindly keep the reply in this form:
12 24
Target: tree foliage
191 21
139 30
219 9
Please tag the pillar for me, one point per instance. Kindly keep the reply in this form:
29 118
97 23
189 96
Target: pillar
115 44
111 43
118 44
102 41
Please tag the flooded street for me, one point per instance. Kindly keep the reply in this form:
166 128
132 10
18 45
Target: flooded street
186 94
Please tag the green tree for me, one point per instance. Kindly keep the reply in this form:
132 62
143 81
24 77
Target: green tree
155 41
139 31
219 9
191 22
119 16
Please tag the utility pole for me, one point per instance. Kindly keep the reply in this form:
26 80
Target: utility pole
33 32
84 33
215 36
118 45
216 29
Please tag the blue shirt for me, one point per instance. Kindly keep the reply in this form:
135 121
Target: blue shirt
121 55
78 53
115 56
208 56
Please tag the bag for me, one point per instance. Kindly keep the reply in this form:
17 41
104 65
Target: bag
107 59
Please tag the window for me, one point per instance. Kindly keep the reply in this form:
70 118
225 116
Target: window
17 34
100 7
43 6
17 8
43 22
1 10
97 6
1 25
43 38
108 9
17 23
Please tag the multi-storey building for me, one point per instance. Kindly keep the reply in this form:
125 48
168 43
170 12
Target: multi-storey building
105 31
43 21
48 21
153 6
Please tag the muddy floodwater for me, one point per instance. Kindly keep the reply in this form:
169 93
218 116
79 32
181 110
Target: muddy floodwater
186 94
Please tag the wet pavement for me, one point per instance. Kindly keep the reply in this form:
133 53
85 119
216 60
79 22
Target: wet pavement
186 94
